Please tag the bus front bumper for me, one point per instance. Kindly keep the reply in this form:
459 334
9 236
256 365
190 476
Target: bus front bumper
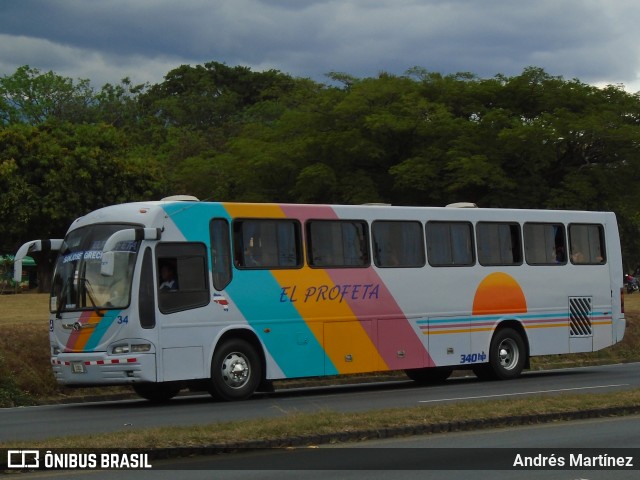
96 369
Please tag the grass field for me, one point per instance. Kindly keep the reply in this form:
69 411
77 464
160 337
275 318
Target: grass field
25 372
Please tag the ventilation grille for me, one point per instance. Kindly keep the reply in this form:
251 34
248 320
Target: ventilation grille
580 316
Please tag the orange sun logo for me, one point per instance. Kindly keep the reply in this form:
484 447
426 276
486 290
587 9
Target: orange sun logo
499 293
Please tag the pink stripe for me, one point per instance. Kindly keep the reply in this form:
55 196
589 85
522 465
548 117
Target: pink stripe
398 333
368 303
306 212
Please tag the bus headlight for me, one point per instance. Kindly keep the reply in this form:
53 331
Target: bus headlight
120 349
141 347
131 348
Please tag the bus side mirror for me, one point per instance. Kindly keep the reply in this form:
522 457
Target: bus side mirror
114 243
53 244
107 265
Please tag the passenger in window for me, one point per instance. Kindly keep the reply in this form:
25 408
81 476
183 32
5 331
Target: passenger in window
168 278
251 258
577 257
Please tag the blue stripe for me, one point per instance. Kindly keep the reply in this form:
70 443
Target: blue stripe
101 329
483 318
256 293
523 317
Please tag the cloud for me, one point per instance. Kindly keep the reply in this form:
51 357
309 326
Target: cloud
105 40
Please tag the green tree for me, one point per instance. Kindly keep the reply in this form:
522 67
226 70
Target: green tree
55 172
31 97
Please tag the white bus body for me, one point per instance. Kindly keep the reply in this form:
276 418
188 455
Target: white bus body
275 291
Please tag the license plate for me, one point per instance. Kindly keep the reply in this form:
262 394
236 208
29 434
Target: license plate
77 367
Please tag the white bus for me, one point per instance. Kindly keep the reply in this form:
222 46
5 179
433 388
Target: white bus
228 297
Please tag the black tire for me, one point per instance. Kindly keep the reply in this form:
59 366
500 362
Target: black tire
236 370
429 376
156 392
507 354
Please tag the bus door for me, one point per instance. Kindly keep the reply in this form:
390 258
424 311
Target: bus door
182 288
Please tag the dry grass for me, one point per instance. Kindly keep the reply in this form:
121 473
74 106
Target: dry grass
32 308
25 368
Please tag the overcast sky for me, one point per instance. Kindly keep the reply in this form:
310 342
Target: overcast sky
595 41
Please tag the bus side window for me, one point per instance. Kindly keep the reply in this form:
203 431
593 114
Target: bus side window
449 244
267 243
398 244
337 243
544 244
499 243
220 253
146 307
586 244
182 276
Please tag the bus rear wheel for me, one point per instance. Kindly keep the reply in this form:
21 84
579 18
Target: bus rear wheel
236 370
429 376
507 354
156 392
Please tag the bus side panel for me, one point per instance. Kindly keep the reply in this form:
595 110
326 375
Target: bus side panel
255 300
614 260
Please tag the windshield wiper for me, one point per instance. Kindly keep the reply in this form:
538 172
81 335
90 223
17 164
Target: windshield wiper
90 294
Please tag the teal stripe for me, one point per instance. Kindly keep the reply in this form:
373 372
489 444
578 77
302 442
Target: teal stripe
101 329
482 318
256 293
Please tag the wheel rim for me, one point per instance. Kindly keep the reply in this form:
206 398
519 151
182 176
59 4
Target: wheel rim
235 370
508 354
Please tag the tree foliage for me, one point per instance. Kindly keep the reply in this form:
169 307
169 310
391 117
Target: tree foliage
227 133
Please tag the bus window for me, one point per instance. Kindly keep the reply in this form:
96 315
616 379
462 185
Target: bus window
587 244
220 253
146 306
337 243
267 244
544 244
182 276
499 243
398 244
449 244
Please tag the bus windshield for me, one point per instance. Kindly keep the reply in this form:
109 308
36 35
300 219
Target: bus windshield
77 282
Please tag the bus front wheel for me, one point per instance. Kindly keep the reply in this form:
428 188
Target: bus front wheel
507 354
236 370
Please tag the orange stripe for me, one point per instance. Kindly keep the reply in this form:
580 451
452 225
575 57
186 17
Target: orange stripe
253 210
85 333
441 332
349 336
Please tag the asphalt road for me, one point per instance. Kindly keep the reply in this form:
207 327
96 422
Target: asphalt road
34 423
